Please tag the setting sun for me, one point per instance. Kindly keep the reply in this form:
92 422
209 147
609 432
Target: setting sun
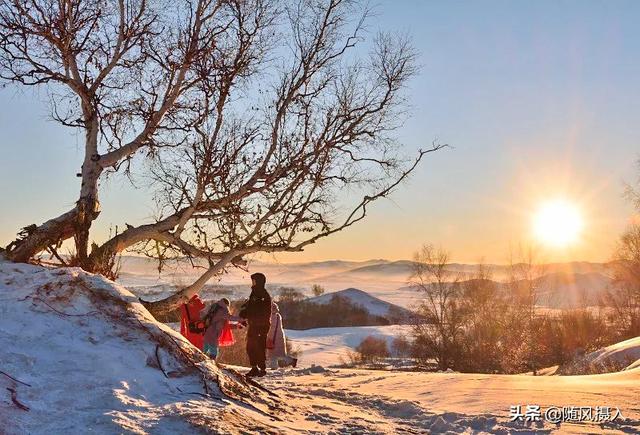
557 223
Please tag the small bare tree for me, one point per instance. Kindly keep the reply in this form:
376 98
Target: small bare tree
624 295
317 290
485 308
439 327
255 117
371 350
524 292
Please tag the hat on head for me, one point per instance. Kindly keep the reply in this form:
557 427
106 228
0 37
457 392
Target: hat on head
260 279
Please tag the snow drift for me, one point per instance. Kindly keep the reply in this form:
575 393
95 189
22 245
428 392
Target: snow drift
79 352
616 357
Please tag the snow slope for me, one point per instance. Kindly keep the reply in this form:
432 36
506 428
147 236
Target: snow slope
330 346
372 304
95 360
619 356
625 352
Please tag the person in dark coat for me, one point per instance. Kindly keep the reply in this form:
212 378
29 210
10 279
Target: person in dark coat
257 311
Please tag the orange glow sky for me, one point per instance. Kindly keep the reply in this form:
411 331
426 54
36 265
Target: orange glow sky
538 99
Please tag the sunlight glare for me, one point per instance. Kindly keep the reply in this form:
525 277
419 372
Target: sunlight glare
557 223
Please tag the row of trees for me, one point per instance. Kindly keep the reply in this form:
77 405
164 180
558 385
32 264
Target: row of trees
479 325
250 115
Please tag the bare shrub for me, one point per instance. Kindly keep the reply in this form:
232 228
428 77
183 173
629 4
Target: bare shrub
438 329
371 349
401 347
317 290
624 295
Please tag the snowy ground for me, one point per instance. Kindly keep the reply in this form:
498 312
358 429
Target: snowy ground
330 346
79 354
347 401
624 354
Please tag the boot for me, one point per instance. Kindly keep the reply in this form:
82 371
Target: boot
294 363
253 372
262 372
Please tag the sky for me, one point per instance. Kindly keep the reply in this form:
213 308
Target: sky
538 100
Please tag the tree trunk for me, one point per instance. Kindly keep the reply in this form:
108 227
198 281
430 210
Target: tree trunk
166 305
74 223
39 238
88 205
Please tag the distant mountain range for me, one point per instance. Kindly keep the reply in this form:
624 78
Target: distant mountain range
561 284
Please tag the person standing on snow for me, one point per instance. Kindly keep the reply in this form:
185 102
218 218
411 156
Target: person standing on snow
277 342
216 319
257 311
191 327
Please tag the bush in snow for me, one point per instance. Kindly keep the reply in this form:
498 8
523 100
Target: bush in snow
317 290
298 313
371 349
401 347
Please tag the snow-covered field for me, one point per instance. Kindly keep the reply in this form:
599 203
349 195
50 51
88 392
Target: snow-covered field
352 401
80 354
330 346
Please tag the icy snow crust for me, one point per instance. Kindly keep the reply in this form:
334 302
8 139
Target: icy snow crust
88 349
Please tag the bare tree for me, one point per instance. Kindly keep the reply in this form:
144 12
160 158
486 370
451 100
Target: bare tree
525 286
624 295
439 327
485 309
253 129
115 70
317 290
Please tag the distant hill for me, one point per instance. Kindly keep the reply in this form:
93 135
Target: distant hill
377 307
567 289
563 285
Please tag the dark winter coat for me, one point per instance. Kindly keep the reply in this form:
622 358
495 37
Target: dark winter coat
257 310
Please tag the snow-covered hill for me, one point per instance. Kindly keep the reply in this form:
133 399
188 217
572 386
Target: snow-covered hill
372 304
565 284
79 354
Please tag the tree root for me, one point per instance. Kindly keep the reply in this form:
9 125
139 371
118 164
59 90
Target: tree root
160 363
14 399
90 313
14 379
